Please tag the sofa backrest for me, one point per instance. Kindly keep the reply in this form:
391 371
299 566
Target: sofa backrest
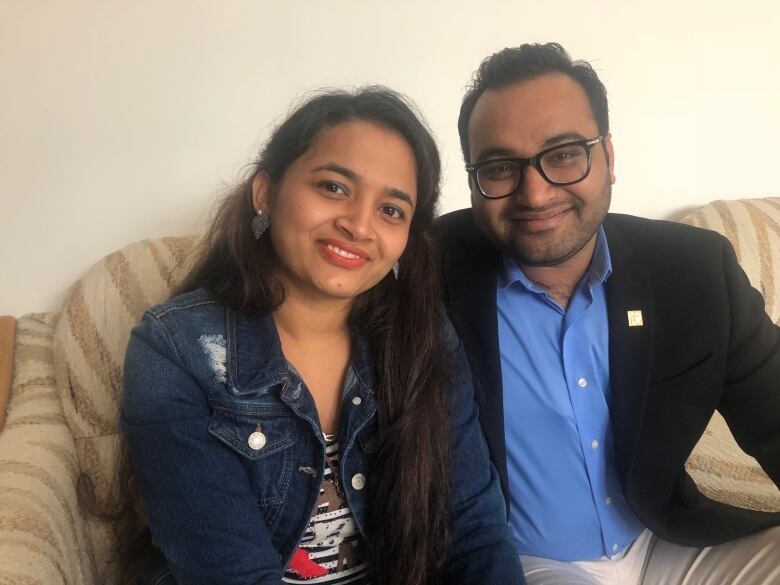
753 228
89 346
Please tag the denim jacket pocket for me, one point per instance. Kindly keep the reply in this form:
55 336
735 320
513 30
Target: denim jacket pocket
264 437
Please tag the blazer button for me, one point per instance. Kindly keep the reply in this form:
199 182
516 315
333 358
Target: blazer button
358 481
256 440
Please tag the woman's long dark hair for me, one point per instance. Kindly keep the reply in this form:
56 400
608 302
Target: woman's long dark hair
400 319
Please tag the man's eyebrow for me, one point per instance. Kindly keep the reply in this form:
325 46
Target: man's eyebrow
502 152
562 138
353 176
495 152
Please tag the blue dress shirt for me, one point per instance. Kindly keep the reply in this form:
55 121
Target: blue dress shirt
566 502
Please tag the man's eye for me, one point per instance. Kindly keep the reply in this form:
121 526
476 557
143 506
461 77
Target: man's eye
564 156
498 171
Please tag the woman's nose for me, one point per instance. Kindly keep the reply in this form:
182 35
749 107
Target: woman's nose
356 220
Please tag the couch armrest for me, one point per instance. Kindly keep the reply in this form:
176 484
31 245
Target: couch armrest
43 536
7 338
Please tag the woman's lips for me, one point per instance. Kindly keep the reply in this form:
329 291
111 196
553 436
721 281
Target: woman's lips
343 255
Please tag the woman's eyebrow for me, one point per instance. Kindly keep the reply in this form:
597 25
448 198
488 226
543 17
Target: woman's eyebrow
341 170
353 176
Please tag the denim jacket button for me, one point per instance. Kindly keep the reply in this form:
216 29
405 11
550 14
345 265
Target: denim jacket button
358 481
256 440
357 400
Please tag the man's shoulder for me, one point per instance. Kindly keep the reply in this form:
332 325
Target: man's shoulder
454 223
656 236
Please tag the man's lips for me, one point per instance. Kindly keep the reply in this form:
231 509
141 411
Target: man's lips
343 255
538 221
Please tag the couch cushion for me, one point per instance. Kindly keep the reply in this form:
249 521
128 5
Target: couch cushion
753 228
718 466
91 338
43 535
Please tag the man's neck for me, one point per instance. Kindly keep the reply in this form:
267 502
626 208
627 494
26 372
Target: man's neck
560 281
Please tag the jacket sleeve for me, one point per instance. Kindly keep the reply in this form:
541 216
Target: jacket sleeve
201 509
751 400
482 550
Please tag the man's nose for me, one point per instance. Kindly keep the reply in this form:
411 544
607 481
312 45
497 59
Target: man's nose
533 190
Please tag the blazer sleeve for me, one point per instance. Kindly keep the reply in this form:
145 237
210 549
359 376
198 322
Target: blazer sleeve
197 496
482 550
751 400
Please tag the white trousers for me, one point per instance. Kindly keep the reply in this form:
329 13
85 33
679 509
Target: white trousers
753 560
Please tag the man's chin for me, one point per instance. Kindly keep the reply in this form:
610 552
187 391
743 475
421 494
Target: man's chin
537 256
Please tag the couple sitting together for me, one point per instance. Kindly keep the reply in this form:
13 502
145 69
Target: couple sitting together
346 389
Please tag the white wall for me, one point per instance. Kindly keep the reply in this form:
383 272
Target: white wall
122 120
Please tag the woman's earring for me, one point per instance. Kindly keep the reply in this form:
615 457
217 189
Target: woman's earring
395 270
260 223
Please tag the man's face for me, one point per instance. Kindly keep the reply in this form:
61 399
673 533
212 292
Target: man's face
540 224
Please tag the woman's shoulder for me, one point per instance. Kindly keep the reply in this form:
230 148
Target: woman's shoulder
180 320
195 301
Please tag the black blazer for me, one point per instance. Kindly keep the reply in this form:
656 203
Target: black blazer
706 343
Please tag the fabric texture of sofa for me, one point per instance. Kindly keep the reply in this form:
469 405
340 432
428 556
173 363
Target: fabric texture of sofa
63 408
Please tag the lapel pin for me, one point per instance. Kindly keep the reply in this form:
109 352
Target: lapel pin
635 318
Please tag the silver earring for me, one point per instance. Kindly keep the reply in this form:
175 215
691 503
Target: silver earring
260 223
395 270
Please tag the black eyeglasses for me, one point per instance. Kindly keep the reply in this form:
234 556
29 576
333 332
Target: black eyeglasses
560 165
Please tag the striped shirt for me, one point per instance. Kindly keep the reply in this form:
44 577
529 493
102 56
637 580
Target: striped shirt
332 549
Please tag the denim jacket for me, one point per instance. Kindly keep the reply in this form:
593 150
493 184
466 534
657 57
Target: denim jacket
200 379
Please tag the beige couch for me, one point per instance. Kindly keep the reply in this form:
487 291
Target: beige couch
62 414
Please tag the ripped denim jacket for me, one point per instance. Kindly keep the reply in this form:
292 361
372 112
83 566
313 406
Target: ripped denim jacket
205 386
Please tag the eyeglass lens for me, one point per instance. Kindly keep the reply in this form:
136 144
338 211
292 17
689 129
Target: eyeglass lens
567 163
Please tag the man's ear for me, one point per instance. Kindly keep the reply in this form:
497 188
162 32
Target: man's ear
610 153
261 188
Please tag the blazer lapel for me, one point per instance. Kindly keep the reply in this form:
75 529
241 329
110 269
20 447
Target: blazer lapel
470 268
630 346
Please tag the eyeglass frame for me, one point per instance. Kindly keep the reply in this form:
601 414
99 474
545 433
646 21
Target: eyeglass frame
536 162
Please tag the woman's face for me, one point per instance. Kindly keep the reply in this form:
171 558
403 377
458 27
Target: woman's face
340 216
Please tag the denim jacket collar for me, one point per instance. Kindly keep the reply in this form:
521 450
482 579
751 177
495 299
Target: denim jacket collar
250 371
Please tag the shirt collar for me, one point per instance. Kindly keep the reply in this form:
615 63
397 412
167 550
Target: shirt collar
598 272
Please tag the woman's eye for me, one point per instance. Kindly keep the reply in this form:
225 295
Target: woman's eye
333 187
392 211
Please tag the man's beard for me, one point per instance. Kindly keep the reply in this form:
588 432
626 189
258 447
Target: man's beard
538 249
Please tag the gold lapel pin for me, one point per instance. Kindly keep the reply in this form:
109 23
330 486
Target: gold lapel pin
635 318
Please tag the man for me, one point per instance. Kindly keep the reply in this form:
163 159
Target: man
601 344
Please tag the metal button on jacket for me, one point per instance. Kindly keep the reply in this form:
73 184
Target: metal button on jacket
256 440
358 481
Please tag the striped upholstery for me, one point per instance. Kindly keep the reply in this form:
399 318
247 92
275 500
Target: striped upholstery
719 467
89 347
43 538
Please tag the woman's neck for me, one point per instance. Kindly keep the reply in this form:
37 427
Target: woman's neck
307 323
316 340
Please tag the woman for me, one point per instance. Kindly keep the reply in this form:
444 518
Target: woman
303 410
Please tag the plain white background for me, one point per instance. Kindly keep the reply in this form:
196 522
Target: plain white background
124 120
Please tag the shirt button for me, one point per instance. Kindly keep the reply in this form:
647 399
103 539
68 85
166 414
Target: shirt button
357 400
608 501
594 443
582 382
358 481
256 440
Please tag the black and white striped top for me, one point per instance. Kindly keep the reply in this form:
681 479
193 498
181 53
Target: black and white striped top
332 549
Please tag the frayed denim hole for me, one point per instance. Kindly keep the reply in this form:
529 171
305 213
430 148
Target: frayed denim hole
216 351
